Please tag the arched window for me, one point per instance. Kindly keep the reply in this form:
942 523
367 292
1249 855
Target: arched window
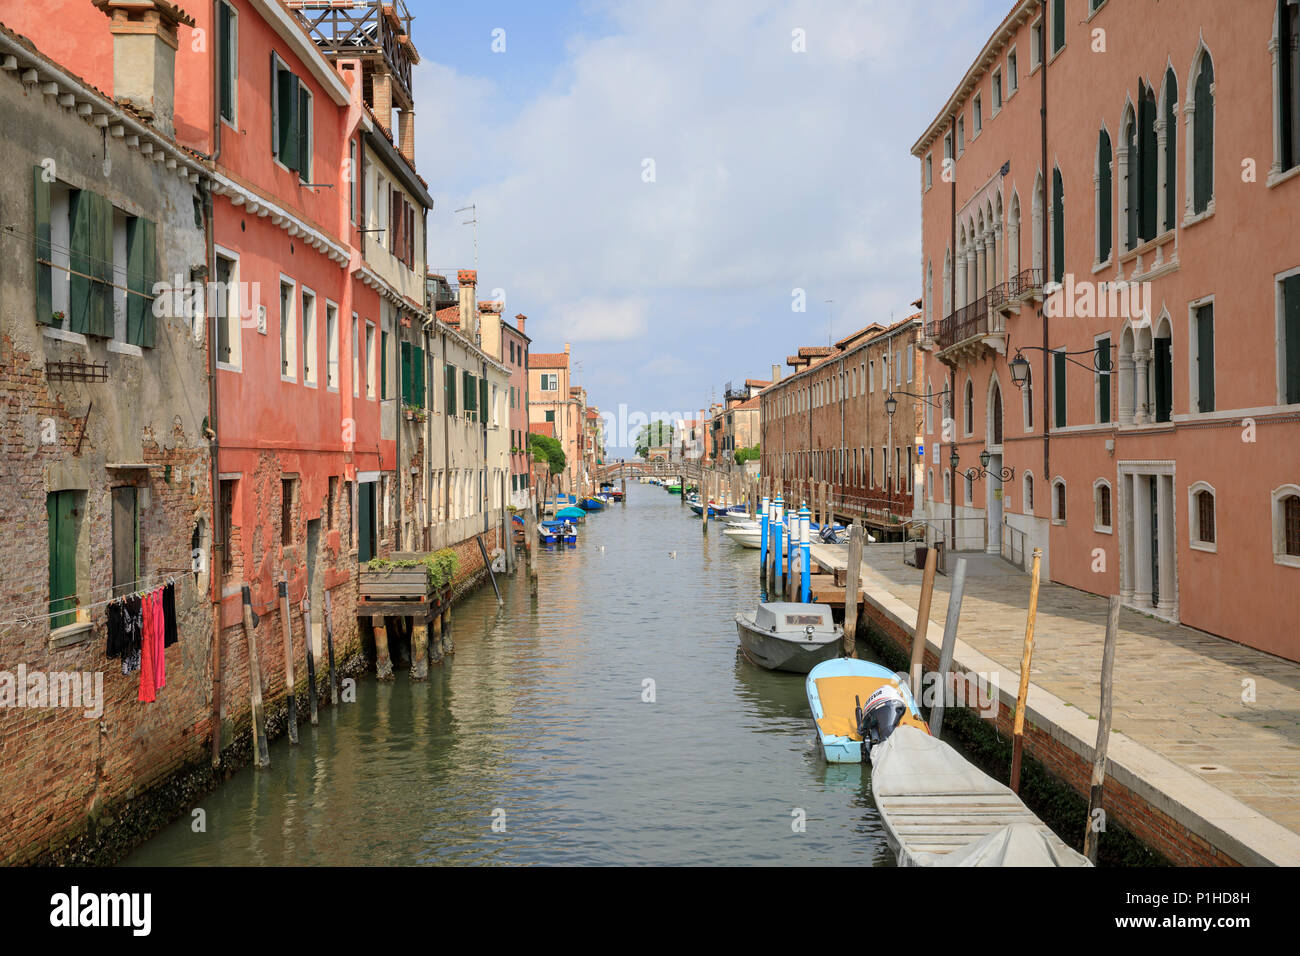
929 407
1101 517
947 485
1058 501
1169 147
929 292
1200 517
1162 370
1201 135
1027 484
969 489
1286 66
1027 400
1105 200
1286 525
1013 237
929 483
1058 226
995 415
968 408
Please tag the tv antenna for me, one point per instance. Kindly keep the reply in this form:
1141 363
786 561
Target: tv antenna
472 209
830 322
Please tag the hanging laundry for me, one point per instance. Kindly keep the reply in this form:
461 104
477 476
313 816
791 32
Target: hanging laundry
159 638
131 624
148 668
116 629
169 614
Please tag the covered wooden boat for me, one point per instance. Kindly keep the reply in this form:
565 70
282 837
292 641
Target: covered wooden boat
787 636
557 532
856 705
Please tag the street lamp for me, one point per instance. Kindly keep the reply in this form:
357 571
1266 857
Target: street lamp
1020 365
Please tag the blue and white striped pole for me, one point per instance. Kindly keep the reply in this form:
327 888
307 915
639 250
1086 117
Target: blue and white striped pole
778 553
805 584
762 532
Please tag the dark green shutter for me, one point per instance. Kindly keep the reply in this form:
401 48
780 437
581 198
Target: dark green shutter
304 134
1203 156
1150 163
1058 226
1058 387
1205 358
287 129
1105 200
1163 372
1103 381
225 56
418 360
1171 151
41 225
406 374
141 259
62 515
1058 25
383 365
1131 144
275 105
449 388
1291 332
483 398
91 260
1286 82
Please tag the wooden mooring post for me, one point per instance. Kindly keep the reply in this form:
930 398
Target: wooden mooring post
1026 659
922 621
329 647
261 755
851 585
1096 815
290 684
949 642
311 660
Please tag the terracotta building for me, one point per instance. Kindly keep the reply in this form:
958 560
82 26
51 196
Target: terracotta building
1113 296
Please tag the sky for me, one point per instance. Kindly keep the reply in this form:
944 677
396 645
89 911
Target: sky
654 181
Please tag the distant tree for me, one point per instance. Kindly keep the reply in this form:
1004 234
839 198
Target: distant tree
654 435
751 453
547 449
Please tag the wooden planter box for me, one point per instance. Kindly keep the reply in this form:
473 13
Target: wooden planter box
398 591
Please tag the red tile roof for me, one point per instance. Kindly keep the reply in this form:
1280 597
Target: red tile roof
542 428
548 360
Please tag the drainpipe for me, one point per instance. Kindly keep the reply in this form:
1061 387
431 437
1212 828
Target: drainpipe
214 566
446 445
952 367
1047 381
483 415
397 425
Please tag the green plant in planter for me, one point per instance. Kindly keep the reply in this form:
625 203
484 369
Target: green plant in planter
441 566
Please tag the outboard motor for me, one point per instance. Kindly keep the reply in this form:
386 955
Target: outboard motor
827 534
884 711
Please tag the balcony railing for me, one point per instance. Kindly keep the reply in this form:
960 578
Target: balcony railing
1020 285
967 322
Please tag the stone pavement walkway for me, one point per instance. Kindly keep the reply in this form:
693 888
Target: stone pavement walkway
1178 691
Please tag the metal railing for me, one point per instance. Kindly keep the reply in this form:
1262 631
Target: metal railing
969 321
1025 282
360 29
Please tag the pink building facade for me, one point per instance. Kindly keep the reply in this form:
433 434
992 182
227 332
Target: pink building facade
1134 263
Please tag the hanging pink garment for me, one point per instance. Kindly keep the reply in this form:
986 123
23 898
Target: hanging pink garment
148 651
160 637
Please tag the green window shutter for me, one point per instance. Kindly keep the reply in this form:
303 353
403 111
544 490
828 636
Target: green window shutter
418 360
1058 388
141 270
287 128
365 521
304 134
383 365
1058 226
1058 25
225 58
1133 192
1105 199
1205 358
275 105
61 510
1150 160
1203 155
1103 381
1291 320
1171 151
41 222
79 261
483 398
449 388
406 374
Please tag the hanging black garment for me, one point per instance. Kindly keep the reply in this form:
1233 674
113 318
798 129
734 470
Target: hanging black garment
169 615
116 630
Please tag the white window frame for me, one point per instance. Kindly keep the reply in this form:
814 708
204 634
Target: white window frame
1194 539
232 314
372 361
356 355
1194 359
289 348
1057 519
1027 492
1035 60
1279 528
977 116
996 93
310 337
333 355
1013 67
1280 338
1097 526
233 123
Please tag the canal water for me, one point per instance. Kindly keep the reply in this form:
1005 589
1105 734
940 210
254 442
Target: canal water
535 742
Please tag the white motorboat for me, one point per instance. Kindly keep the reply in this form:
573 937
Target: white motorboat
745 537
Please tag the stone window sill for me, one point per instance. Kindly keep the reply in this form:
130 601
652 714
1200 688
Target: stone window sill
70 635
1277 179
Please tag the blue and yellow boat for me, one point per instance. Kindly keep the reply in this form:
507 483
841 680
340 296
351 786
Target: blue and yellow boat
857 705
592 503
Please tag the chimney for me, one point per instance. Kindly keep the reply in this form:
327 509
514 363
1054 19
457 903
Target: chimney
566 348
468 280
776 374
519 321
381 95
144 56
407 145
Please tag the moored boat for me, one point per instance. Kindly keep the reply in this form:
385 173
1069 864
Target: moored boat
856 705
592 503
557 532
744 536
787 636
